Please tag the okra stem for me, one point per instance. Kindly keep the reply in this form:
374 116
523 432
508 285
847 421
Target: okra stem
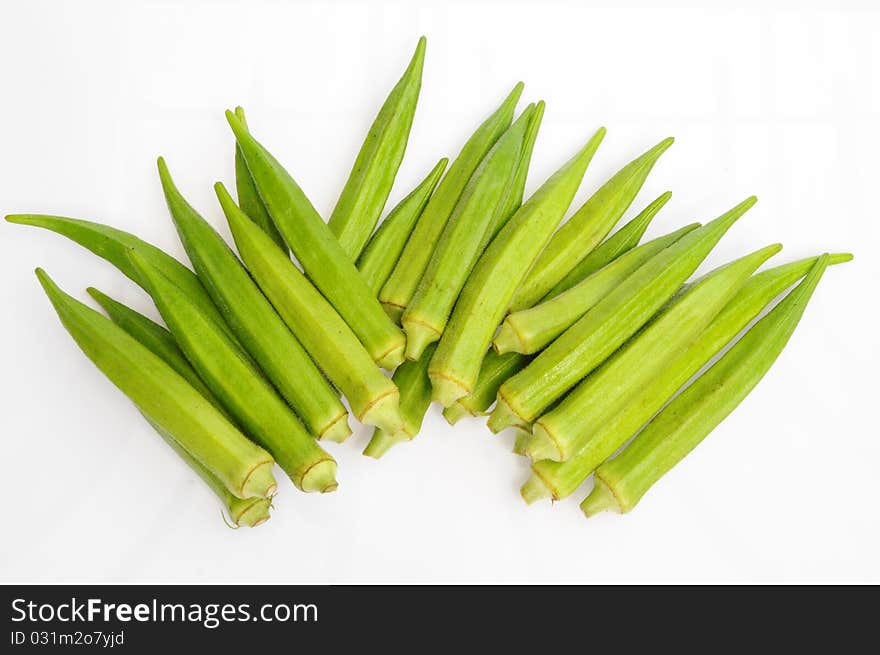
463 239
623 240
405 277
587 227
240 386
564 430
687 420
500 270
560 479
165 397
316 248
613 319
372 396
383 250
362 199
255 323
530 330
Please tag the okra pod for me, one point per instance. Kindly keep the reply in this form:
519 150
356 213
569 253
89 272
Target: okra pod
530 330
239 385
411 378
686 421
587 227
248 198
255 323
565 429
498 273
383 250
560 479
463 239
623 240
113 245
405 277
514 196
321 256
613 319
321 330
369 183
165 397
493 372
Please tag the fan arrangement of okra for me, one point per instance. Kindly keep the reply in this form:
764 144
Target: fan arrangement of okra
582 339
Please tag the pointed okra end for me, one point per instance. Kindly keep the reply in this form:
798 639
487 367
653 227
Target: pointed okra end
419 336
249 512
382 441
543 445
601 499
321 477
508 339
445 390
337 431
840 258
534 490
384 412
455 412
260 482
504 416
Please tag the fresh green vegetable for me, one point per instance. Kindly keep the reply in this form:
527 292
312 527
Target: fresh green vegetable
560 479
500 270
113 245
614 318
253 320
369 183
687 420
530 330
383 250
404 280
514 195
564 430
587 227
625 239
493 372
372 396
244 469
248 198
415 398
463 240
323 259
240 386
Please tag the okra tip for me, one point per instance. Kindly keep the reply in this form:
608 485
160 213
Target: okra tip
534 490
320 477
601 499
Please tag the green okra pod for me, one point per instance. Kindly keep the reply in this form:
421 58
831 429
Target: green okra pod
587 227
405 277
248 198
613 319
314 321
255 322
530 330
498 273
369 183
113 245
560 479
623 240
621 482
565 429
239 385
463 239
514 195
383 250
165 397
494 370
411 378
319 253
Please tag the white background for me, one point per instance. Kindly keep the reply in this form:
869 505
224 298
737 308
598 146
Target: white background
777 99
